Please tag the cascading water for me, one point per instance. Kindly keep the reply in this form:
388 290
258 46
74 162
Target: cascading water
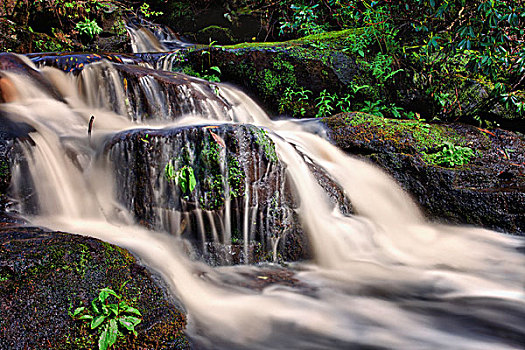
382 278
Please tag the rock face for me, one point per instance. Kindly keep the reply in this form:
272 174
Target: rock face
487 191
44 275
221 187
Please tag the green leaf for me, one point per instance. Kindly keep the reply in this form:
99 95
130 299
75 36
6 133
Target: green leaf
129 322
132 310
97 321
105 293
103 341
169 170
78 310
217 69
94 306
85 317
113 308
113 331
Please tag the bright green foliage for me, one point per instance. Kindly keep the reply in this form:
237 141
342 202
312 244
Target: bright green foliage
451 155
113 318
303 20
295 101
145 10
88 27
264 141
325 103
184 177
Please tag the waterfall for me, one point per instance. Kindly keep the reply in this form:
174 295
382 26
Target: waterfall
380 278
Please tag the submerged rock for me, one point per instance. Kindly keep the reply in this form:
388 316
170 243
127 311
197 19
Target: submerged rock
488 190
220 186
45 275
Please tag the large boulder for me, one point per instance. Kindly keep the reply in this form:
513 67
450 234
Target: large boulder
487 190
218 186
46 275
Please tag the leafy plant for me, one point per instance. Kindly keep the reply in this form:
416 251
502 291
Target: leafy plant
451 155
325 103
184 177
145 10
88 27
295 101
113 318
303 21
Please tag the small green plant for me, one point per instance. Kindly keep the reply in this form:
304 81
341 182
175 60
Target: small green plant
295 101
88 27
112 318
145 10
303 21
325 103
451 155
184 177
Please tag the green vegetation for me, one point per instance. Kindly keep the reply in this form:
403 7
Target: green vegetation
112 319
450 155
88 27
264 141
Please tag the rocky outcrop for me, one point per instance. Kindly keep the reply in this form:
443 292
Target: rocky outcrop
222 187
325 62
487 191
46 275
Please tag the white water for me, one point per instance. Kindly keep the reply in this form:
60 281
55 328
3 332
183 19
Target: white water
384 278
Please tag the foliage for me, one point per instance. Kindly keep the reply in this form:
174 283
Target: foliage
325 103
88 27
295 101
112 318
303 21
184 177
451 155
146 11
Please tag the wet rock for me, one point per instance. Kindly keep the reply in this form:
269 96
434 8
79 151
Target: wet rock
9 132
15 64
268 69
44 275
154 94
487 191
76 62
210 184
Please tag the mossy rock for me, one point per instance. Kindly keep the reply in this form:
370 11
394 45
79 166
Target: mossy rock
216 34
488 191
268 69
44 275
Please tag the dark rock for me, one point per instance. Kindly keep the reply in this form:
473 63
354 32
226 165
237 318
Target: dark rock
15 64
44 275
76 62
488 191
229 160
9 132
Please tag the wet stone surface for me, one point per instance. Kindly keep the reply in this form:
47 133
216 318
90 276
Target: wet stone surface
44 275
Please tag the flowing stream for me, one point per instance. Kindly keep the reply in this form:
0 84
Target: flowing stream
383 278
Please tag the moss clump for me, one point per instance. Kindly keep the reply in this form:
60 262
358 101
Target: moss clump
214 33
421 135
264 142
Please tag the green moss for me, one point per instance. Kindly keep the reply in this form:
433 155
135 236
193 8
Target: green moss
214 33
336 38
262 139
236 177
423 136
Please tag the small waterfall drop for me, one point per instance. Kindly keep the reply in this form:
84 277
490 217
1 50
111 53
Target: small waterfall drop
381 278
